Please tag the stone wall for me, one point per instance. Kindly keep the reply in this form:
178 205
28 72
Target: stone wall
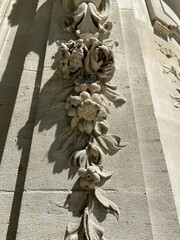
39 191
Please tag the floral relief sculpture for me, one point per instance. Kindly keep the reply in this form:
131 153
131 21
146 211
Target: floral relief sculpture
177 98
90 65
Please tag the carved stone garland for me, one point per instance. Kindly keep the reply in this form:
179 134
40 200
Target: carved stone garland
90 64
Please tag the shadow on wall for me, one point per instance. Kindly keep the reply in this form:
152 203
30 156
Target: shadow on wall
31 35
28 21
51 99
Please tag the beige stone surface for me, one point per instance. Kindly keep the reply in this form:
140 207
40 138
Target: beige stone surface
35 179
163 83
6 201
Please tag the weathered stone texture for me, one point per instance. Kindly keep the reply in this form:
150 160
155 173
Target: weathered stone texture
35 179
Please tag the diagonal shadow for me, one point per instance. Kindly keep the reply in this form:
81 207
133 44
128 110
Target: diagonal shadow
26 11
51 111
22 15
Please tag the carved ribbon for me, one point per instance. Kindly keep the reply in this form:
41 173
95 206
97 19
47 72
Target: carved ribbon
89 63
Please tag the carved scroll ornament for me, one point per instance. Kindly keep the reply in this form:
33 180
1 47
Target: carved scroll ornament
90 64
87 18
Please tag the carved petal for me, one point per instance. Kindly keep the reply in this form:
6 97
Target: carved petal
75 100
72 112
96 97
74 122
101 128
107 204
103 113
87 184
94 87
88 126
85 95
81 125
102 100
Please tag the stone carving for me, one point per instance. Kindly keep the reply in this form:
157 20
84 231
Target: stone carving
90 65
171 64
176 98
172 69
87 18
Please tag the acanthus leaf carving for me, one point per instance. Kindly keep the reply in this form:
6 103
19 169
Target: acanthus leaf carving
85 227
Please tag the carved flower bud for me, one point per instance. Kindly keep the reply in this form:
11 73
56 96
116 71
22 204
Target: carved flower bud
94 154
86 111
91 177
78 158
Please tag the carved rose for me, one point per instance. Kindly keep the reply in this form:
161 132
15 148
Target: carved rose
85 110
92 176
100 61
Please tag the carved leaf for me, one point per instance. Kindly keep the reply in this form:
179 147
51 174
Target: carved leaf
92 230
73 230
95 232
176 98
113 95
101 172
110 143
107 204
101 128
78 158
177 105
178 90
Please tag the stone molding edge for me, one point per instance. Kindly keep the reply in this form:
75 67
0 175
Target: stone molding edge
90 65
162 21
